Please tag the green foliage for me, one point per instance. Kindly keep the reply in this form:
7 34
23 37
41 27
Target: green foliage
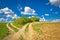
26 30
34 19
3 30
23 20
37 27
13 28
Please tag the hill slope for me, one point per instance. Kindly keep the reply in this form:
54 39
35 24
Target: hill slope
48 31
38 31
3 30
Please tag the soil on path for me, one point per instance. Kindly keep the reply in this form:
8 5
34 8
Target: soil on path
18 34
50 31
11 32
14 26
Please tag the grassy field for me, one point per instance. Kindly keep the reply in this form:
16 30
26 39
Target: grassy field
38 25
47 30
44 30
18 25
13 28
3 30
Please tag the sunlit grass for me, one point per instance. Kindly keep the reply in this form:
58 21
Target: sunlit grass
27 28
3 30
37 26
13 28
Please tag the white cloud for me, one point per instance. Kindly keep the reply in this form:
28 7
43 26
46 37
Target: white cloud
28 11
56 20
15 16
59 6
31 16
3 20
42 18
55 2
46 14
8 14
6 11
0 11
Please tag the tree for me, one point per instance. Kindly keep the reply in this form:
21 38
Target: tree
23 20
34 19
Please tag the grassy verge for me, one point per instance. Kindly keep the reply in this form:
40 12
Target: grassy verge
13 28
3 30
18 25
26 30
37 26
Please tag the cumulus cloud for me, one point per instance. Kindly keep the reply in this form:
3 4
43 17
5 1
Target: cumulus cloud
3 20
46 14
8 14
6 11
56 20
55 2
28 11
15 16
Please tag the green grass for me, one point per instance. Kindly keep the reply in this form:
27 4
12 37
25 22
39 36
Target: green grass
13 28
26 30
37 26
18 25
3 30
21 38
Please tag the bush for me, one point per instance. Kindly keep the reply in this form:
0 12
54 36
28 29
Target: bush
23 20
34 19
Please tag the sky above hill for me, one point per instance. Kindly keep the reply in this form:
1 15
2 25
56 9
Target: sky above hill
10 9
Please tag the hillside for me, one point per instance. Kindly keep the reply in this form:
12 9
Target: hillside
36 31
48 31
3 30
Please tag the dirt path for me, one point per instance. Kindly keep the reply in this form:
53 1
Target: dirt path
10 29
17 35
11 32
30 32
14 26
21 32
50 31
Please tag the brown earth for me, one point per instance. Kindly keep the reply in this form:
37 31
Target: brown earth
50 31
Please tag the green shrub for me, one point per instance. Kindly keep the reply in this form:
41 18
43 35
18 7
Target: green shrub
23 20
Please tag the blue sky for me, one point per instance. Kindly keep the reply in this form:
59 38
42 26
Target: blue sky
49 8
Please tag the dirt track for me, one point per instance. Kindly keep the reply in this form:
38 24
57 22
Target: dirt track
14 26
16 35
11 32
50 31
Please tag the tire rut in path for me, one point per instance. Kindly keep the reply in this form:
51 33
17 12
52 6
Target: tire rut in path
30 32
21 32
14 26
11 32
10 29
